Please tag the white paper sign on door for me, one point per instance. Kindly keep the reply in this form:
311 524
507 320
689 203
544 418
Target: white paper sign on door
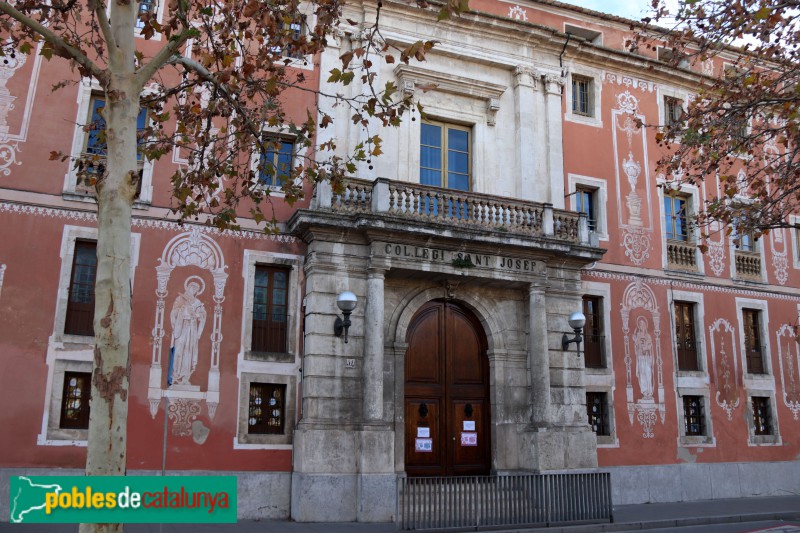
469 439
423 433
469 425
423 445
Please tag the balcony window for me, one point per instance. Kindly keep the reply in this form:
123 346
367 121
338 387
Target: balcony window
675 208
685 340
593 332
753 345
445 156
276 161
270 301
80 303
586 202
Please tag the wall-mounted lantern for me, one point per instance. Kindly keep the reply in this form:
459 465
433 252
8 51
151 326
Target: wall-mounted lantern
346 302
576 321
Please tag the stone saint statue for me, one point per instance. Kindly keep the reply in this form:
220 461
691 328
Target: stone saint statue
643 343
188 317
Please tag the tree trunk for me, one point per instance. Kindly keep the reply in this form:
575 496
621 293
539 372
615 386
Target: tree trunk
106 454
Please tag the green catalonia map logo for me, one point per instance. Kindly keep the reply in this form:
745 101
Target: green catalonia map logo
123 499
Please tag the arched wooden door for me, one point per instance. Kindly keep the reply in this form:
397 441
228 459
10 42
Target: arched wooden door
447 408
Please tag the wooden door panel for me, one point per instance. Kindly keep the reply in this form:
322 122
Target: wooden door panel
466 457
431 463
465 351
423 363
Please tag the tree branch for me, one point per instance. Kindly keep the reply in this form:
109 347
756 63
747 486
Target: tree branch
99 8
164 56
57 42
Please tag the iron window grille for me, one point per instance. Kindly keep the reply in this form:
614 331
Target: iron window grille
267 409
694 416
75 400
762 417
597 411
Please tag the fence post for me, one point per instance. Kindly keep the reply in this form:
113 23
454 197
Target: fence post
380 195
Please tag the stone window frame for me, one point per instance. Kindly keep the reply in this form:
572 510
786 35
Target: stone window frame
753 382
662 93
68 353
775 438
794 220
611 440
266 441
602 379
600 187
692 194
87 90
695 441
689 378
294 263
299 152
596 89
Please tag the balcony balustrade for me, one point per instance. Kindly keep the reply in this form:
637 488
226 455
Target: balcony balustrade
461 209
748 265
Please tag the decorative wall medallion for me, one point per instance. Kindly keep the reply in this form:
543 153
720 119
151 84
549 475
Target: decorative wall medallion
188 342
182 413
716 256
637 245
725 363
643 363
630 82
518 13
789 357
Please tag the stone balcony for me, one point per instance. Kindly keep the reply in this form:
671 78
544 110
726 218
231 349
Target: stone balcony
748 265
445 211
681 255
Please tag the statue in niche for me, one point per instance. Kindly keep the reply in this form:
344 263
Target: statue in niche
188 317
643 344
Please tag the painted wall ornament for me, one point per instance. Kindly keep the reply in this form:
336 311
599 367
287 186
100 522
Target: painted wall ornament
11 62
187 319
643 357
725 363
517 12
635 218
789 357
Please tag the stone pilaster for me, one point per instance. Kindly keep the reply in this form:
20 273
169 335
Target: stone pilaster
373 346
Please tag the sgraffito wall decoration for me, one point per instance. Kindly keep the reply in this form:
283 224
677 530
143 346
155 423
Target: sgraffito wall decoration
191 324
725 364
641 327
633 179
14 126
789 359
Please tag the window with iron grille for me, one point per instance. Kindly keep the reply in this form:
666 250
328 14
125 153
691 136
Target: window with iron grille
80 303
267 409
762 417
276 161
685 339
582 95
270 303
597 411
694 416
673 111
146 8
75 400
593 338
585 200
754 350
675 224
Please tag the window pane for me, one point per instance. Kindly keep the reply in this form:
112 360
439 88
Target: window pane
458 181
430 158
431 135
430 177
458 162
458 140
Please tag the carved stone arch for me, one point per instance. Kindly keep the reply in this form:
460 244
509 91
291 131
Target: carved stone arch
398 323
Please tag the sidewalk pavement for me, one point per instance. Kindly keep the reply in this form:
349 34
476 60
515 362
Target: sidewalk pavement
626 518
